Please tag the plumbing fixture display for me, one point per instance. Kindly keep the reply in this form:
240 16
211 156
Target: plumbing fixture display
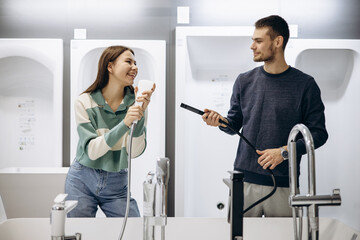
155 199
311 201
58 216
31 102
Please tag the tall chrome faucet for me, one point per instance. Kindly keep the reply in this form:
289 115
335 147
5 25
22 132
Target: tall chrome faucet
311 200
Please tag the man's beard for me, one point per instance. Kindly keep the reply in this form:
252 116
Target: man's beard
268 58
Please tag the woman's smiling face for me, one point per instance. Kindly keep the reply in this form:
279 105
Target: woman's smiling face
123 69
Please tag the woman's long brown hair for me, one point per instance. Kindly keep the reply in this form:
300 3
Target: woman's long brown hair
110 54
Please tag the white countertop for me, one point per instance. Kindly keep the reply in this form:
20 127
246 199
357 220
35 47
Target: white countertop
176 229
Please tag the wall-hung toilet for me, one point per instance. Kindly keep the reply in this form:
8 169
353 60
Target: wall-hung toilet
31 102
208 60
150 57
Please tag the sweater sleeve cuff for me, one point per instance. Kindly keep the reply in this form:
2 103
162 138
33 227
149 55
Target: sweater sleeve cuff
113 136
226 129
140 127
300 147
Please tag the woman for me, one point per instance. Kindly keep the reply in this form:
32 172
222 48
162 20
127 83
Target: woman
104 114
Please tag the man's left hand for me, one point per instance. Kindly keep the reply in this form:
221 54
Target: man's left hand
270 157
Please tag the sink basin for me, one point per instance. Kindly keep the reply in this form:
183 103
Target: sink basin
176 229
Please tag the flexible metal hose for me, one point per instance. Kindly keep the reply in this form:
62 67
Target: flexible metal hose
129 181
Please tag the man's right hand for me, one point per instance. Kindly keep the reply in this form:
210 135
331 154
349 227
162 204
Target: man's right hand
212 118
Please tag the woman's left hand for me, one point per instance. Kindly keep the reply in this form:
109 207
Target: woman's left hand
145 97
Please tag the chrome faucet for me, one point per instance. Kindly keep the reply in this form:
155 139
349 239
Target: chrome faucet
58 216
155 199
149 207
311 200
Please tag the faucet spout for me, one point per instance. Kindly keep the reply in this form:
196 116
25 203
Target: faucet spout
58 216
311 201
310 149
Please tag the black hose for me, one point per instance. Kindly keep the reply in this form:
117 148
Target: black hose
269 170
195 110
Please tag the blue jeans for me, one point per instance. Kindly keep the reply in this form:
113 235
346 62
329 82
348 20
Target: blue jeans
96 187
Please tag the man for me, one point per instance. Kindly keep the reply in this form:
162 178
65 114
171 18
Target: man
267 102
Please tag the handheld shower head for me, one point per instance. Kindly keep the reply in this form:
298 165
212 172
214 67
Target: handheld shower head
144 85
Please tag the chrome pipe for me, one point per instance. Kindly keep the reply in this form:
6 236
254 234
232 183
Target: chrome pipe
311 200
320 200
312 212
310 149
292 168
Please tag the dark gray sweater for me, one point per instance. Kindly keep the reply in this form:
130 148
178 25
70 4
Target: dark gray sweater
266 107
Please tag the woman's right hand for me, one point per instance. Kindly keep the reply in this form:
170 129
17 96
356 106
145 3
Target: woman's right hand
134 113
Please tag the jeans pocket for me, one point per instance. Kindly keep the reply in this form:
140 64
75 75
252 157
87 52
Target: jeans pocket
77 166
123 172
